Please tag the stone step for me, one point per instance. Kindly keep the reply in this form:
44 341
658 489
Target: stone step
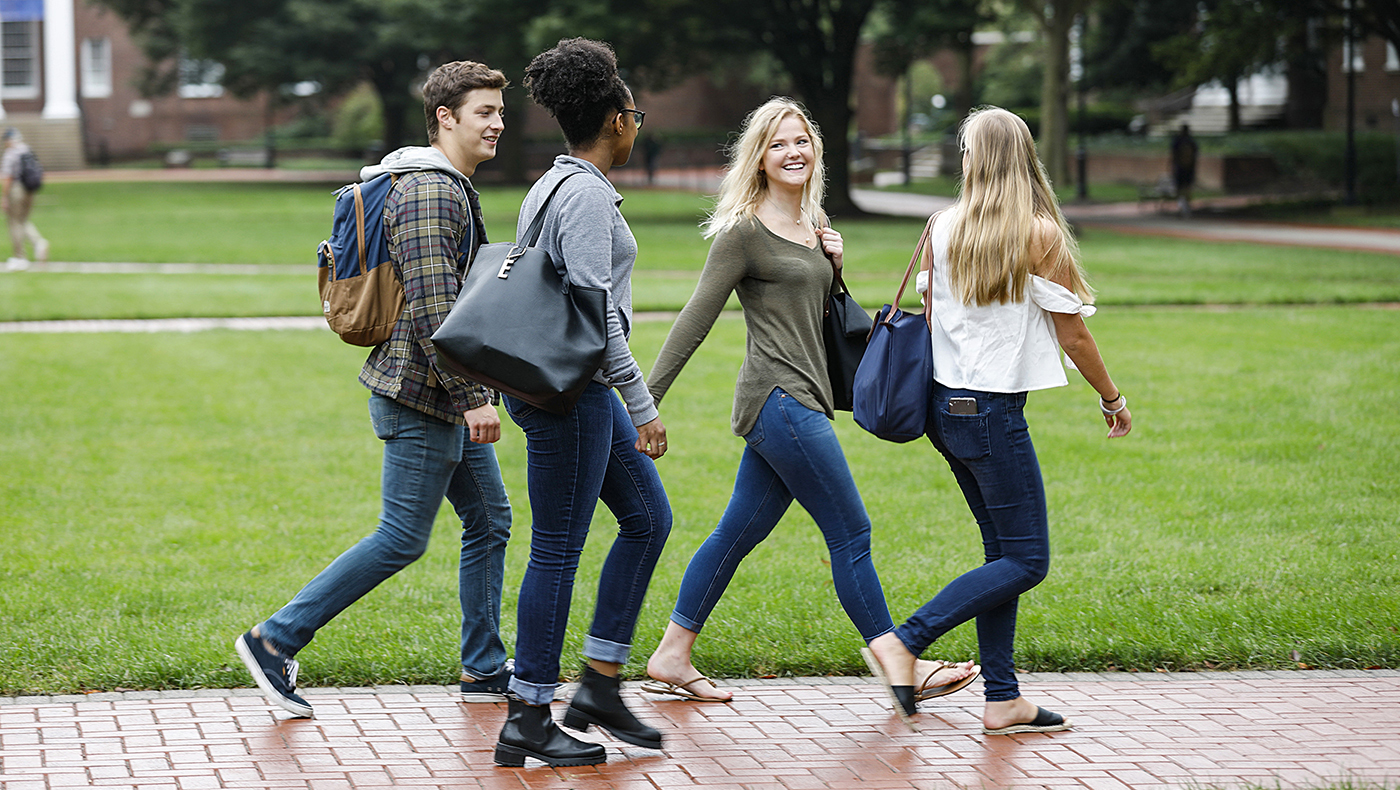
57 143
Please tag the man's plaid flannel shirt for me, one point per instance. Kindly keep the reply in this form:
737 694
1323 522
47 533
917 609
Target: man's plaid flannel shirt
425 218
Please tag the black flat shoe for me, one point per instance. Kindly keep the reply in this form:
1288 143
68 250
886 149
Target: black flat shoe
1044 721
902 696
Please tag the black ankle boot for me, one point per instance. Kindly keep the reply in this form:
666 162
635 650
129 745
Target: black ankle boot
531 732
597 702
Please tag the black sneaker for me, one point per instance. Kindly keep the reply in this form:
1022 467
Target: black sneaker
275 675
492 689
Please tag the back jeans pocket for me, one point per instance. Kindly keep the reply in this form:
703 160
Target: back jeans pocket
384 415
965 435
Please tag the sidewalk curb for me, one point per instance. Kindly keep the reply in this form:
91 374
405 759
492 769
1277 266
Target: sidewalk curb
796 682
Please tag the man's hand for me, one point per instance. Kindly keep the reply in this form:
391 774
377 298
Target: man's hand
484 424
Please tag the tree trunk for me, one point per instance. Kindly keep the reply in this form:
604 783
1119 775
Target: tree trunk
962 95
393 103
1056 22
833 116
821 57
1233 88
1307 82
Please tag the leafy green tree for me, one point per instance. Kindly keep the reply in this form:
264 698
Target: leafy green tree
908 30
1381 17
266 44
1231 40
1118 47
1055 18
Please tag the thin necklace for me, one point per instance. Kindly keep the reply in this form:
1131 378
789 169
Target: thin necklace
783 214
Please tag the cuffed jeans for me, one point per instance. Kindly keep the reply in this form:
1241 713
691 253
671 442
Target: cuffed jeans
995 465
792 452
575 460
425 459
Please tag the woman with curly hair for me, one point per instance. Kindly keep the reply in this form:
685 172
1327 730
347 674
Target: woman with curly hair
774 248
604 448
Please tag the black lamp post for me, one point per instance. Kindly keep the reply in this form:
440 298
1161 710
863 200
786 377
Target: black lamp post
1350 156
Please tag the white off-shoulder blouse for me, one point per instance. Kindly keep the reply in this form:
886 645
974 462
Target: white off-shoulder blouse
1008 347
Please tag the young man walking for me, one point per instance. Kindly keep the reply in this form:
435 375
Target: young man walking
437 428
17 201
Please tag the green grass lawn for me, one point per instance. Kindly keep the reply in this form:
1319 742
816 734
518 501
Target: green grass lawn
164 492
282 224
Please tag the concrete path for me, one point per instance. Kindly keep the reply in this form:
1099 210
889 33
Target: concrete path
1174 730
1137 218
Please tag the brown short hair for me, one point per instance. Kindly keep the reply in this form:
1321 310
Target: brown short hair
449 85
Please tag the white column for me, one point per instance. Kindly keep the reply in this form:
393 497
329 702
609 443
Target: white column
2 55
60 61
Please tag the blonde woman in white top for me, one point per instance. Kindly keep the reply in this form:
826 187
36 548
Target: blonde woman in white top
1007 294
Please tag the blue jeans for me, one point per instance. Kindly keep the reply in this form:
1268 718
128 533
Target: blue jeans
425 459
792 452
575 460
995 465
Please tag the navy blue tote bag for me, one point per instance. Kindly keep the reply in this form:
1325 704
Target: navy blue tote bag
895 378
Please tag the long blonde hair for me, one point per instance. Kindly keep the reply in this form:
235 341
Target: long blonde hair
745 186
1003 200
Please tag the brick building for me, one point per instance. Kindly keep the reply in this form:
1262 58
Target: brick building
1377 68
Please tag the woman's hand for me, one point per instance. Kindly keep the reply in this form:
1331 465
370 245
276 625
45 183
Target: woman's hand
1120 423
651 439
831 244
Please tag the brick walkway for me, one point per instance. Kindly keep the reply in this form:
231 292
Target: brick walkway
1278 729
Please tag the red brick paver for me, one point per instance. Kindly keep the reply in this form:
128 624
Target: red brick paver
1284 729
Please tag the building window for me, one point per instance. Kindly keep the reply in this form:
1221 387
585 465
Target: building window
97 68
1353 58
19 42
199 79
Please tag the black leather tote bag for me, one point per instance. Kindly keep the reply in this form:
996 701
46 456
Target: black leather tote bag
845 327
520 326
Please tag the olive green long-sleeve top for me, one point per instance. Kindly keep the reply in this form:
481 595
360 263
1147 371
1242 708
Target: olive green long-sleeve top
783 288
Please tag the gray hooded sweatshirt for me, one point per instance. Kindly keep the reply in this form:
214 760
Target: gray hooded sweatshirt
585 229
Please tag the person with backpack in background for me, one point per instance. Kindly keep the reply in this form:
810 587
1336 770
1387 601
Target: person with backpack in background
23 176
437 428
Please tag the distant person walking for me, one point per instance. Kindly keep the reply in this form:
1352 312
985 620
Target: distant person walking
1007 294
17 198
1184 155
437 428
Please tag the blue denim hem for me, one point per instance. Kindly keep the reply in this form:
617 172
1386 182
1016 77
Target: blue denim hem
533 693
685 622
890 630
475 676
603 650
268 633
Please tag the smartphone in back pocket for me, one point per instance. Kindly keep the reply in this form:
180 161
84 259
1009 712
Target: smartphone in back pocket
962 405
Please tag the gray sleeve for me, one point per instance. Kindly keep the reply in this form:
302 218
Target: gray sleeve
585 238
724 268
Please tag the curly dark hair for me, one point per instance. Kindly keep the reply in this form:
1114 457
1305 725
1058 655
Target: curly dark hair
577 82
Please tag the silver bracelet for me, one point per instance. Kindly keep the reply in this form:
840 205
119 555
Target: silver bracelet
1110 412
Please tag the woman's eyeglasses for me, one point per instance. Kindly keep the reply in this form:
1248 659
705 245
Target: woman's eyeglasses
638 115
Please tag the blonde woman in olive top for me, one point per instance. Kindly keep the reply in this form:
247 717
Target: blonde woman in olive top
771 246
